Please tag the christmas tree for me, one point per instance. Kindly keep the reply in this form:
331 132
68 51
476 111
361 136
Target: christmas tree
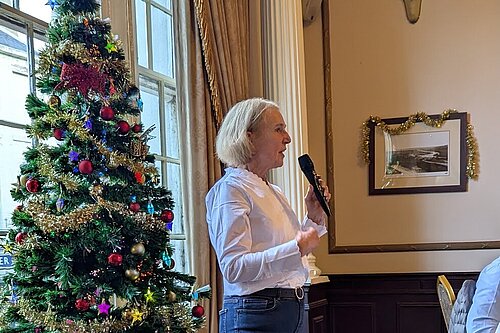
90 240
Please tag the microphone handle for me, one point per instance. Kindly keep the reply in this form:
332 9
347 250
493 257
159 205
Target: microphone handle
318 191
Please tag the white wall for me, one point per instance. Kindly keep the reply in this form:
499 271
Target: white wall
383 65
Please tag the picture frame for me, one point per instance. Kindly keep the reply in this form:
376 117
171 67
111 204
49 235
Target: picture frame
422 159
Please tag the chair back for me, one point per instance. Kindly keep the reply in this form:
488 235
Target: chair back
446 297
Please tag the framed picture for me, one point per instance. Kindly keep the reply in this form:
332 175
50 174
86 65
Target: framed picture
423 159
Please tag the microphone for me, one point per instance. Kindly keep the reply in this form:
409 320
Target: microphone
307 167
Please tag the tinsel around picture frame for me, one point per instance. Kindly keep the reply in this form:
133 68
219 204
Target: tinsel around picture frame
419 153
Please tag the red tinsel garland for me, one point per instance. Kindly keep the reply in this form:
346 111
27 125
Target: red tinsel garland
82 78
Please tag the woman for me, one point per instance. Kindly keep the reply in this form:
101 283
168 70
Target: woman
259 242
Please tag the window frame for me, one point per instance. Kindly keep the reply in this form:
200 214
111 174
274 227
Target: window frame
164 82
15 19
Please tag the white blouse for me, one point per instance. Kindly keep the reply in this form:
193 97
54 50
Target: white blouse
252 229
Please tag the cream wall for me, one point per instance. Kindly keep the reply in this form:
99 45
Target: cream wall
383 65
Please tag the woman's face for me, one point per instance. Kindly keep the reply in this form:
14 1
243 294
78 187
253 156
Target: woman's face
269 140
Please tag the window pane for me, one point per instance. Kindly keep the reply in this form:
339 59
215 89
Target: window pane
37 9
151 111
13 142
179 256
162 42
171 127
141 30
174 185
14 85
8 2
165 3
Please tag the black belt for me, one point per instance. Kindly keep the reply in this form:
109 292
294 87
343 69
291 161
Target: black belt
284 293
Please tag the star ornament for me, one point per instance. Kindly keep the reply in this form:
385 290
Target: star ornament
136 315
7 248
149 296
104 308
111 47
52 4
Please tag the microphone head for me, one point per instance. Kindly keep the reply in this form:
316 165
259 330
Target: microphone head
306 164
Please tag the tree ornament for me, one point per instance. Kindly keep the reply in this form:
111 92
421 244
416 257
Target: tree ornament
198 311
137 128
85 167
54 102
20 237
60 204
135 207
171 296
168 260
23 179
73 156
150 207
138 249
82 78
123 127
59 134
32 185
82 304
167 216
132 274
149 296
103 308
107 113
169 225
115 259
139 177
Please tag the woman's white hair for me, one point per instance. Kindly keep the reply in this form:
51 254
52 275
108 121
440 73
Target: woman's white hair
232 145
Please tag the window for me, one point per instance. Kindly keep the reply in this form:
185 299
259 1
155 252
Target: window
21 37
156 69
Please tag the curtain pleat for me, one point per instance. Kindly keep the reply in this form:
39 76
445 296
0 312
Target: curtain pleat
212 75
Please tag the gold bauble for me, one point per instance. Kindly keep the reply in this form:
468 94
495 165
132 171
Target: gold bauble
23 179
172 296
138 249
54 102
132 274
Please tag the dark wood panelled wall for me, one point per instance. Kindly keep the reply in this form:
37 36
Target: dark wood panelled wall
379 303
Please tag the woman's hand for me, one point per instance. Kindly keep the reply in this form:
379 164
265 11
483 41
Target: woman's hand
314 210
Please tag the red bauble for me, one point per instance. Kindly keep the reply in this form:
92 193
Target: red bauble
107 113
167 216
134 206
115 259
198 311
82 304
137 128
85 167
20 237
32 185
123 127
59 134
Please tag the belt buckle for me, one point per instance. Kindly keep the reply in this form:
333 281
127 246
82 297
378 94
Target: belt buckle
299 293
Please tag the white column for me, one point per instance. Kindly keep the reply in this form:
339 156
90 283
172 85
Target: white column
285 83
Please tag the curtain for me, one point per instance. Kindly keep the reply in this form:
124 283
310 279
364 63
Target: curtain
212 75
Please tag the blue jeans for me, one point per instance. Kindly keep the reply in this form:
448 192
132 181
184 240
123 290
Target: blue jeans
255 313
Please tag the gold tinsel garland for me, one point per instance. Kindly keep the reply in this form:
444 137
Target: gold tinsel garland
77 127
180 313
49 222
471 142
